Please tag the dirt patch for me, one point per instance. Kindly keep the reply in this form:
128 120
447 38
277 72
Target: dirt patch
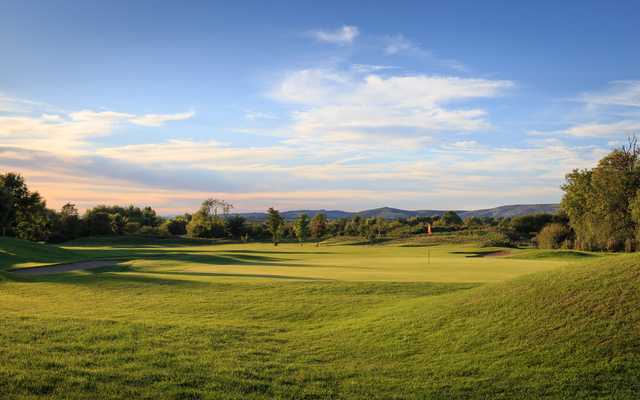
54 269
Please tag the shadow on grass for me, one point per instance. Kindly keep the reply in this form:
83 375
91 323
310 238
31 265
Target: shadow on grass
228 274
108 276
483 253
277 252
186 256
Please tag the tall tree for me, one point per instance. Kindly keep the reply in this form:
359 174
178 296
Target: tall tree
301 228
235 226
274 224
600 202
24 214
319 226
451 218
7 210
207 222
70 225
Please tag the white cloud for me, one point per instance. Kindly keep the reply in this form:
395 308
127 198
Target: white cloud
594 130
347 106
9 104
196 154
312 86
70 132
160 119
609 113
396 44
400 45
342 36
368 68
619 93
257 115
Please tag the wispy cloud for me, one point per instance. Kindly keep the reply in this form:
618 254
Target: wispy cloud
619 93
595 130
345 106
160 119
400 45
258 115
70 132
9 104
397 44
608 113
342 36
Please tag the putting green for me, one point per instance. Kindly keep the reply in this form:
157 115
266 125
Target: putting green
346 263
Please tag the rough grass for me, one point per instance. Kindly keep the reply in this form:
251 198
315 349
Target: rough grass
243 322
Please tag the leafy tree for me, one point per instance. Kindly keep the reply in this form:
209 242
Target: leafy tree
24 214
207 222
600 202
553 236
98 223
318 226
369 229
214 206
451 218
274 224
118 223
7 210
301 228
149 217
497 239
200 225
235 226
473 222
525 227
69 223
176 226
132 227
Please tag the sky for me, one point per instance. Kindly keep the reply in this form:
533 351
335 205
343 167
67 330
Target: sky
304 105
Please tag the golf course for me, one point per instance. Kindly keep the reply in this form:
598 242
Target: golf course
182 318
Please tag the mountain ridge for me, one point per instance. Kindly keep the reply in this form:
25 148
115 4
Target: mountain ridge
512 210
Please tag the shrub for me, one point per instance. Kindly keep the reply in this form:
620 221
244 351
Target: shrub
497 240
176 227
148 230
98 223
629 245
131 227
552 236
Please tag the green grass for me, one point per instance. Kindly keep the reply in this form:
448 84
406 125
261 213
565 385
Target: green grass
257 321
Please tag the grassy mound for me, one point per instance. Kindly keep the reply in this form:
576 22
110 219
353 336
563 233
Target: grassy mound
572 333
16 252
536 254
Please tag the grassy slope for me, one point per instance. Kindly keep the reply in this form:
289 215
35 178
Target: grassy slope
163 331
16 253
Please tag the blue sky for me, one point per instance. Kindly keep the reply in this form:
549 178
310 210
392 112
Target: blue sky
345 105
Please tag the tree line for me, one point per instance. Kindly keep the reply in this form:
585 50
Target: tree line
600 210
24 214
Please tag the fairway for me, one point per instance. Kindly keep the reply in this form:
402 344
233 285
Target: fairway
237 321
246 262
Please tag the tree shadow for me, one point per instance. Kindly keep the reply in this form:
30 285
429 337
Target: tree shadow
107 275
482 253
277 252
228 274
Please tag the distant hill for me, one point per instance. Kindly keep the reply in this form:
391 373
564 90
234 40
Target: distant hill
396 213
512 211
